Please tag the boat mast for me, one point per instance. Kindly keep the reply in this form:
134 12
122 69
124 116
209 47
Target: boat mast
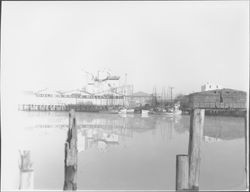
163 96
154 96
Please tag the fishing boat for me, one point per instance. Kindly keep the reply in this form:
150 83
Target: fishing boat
110 111
144 112
174 110
130 110
125 111
158 111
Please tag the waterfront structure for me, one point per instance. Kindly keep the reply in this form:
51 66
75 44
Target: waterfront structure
226 101
140 98
209 86
102 91
219 99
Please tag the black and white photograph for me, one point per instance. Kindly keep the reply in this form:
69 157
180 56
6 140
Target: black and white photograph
125 96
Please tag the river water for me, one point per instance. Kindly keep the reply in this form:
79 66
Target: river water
123 152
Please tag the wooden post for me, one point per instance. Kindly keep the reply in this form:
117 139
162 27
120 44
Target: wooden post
182 172
246 151
70 161
26 181
195 140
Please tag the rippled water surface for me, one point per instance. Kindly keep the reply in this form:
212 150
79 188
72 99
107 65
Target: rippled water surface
123 152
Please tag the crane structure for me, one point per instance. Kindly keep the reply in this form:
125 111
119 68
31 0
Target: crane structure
104 81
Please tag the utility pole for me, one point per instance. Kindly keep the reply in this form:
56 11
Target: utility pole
171 88
163 96
124 89
154 96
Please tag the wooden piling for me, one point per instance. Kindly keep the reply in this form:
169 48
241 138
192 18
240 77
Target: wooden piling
182 168
246 151
70 161
26 181
195 140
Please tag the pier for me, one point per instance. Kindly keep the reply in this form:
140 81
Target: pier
80 108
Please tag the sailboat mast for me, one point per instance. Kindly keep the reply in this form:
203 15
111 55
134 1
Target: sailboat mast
171 92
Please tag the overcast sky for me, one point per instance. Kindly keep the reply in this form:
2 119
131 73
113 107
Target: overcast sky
179 44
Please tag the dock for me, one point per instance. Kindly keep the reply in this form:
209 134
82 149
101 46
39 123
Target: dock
78 108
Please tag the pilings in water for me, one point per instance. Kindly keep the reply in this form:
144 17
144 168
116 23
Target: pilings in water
70 161
188 166
26 181
195 140
182 168
224 99
246 150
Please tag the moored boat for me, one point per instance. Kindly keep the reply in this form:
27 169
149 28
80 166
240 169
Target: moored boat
124 111
130 110
144 111
174 110
112 111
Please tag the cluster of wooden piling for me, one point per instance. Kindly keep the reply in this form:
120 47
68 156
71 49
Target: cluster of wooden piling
188 166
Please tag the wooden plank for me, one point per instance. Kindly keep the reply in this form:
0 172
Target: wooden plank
182 168
195 140
70 161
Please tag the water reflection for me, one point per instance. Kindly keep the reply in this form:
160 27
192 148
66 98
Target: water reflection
98 137
215 128
138 150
